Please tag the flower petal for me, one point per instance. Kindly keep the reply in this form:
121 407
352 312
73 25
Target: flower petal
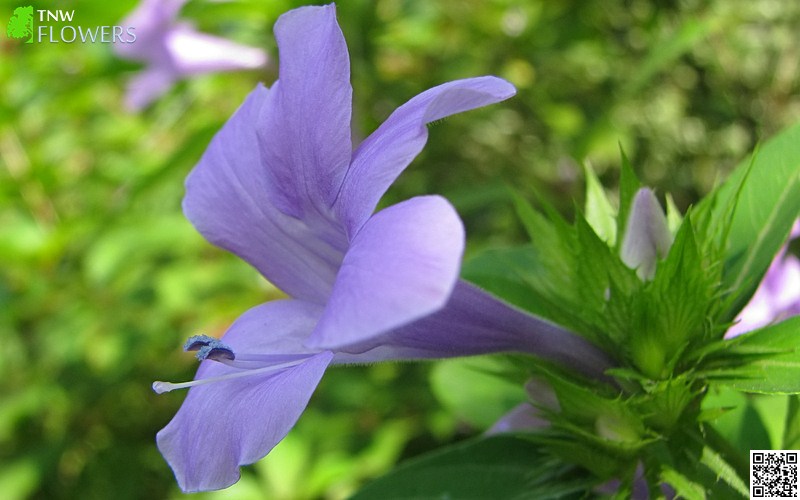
475 322
305 132
147 86
151 20
229 423
387 152
786 286
522 418
229 200
647 236
401 266
192 52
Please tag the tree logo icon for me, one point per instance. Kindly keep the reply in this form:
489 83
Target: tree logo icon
21 24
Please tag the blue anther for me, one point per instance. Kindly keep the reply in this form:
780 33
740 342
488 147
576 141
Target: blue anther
216 352
195 342
209 348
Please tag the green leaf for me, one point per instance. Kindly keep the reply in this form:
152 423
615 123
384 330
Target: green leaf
473 389
606 421
772 409
777 369
766 193
502 271
628 186
723 470
599 275
791 433
599 212
701 457
674 217
683 486
741 425
594 264
549 228
670 312
683 290
496 467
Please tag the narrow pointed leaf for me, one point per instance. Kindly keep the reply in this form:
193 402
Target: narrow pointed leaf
599 212
628 186
777 373
766 190
683 486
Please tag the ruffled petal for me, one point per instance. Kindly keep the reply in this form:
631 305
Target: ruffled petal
305 132
225 424
386 152
401 266
229 200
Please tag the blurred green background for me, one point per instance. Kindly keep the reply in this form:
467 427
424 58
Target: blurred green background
102 278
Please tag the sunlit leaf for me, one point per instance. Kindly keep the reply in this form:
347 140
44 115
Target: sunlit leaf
599 212
777 369
765 192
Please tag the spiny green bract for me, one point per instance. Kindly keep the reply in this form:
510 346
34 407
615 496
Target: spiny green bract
664 330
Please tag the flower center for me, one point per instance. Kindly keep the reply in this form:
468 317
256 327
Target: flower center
209 348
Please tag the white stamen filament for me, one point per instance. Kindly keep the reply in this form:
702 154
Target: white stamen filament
254 361
161 387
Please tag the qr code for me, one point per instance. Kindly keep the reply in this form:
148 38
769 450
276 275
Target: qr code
773 474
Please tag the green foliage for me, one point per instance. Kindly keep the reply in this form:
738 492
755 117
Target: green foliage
599 212
765 361
495 467
664 332
478 390
758 203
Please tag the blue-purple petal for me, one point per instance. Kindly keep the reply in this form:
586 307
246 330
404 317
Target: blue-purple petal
229 423
522 418
305 132
387 152
147 86
151 20
229 201
401 266
192 52
475 322
647 236
173 49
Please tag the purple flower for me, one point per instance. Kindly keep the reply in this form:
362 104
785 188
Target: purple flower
778 295
527 417
173 50
281 187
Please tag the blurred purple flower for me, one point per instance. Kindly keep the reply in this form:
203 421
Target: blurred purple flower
778 295
528 417
173 50
281 187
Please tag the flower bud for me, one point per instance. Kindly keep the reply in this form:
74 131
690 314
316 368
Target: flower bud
647 237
